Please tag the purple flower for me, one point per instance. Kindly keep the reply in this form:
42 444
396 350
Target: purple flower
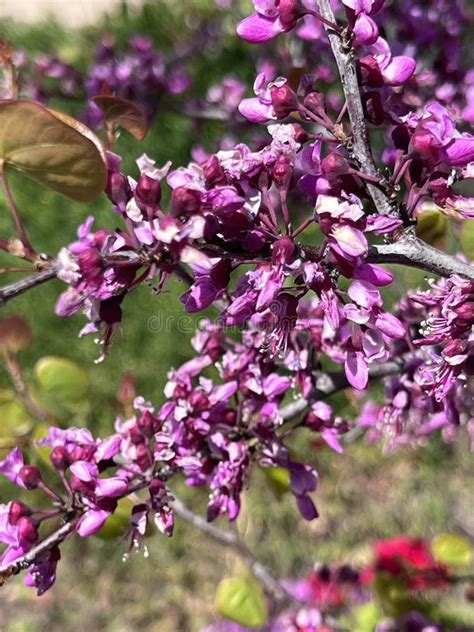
12 465
271 18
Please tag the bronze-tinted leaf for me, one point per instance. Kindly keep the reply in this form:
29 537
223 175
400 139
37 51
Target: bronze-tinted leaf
15 333
123 113
52 148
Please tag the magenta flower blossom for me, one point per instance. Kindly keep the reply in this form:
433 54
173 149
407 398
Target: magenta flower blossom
271 18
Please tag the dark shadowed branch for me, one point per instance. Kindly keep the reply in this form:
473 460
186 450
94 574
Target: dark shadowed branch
361 145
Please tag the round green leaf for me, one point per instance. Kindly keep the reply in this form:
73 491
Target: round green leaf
451 549
62 379
52 148
124 113
14 419
241 599
467 238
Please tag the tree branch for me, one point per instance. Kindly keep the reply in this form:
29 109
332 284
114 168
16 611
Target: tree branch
232 540
19 287
28 559
329 383
361 147
411 251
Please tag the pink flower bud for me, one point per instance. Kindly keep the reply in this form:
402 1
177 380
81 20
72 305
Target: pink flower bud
16 511
60 458
284 100
282 171
27 531
185 201
213 172
314 101
290 12
31 476
146 423
148 191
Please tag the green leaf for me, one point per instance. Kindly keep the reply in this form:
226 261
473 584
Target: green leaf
43 451
241 599
451 549
278 479
117 524
62 379
467 238
124 113
14 418
52 148
365 617
431 226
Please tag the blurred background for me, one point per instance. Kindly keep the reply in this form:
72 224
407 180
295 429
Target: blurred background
364 494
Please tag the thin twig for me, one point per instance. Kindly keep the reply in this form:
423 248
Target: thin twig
28 559
361 146
232 540
30 253
21 388
7 292
411 251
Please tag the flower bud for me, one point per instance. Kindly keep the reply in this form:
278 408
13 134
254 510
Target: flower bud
282 171
198 400
313 421
290 11
148 192
213 172
185 201
80 453
136 436
30 476
300 135
16 511
374 108
179 392
334 165
27 531
314 102
284 100
118 189
60 458
146 424
143 458
401 137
